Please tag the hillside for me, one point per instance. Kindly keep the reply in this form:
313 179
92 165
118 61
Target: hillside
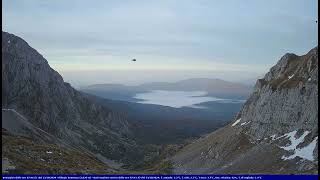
23 155
275 132
38 105
33 90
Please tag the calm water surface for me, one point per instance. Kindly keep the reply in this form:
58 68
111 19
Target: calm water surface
177 99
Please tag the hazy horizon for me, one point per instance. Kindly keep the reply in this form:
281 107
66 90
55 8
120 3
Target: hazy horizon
91 42
137 77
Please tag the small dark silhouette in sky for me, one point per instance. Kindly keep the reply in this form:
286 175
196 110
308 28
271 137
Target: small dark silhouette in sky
134 60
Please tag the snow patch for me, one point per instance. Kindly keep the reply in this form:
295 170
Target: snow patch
289 134
305 152
237 121
273 137
294 141
245 123
290 76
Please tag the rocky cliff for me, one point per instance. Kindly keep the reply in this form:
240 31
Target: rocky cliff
276 130
37 93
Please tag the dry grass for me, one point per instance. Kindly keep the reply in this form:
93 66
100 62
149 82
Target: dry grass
32 158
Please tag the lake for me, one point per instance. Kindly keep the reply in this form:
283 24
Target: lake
179 99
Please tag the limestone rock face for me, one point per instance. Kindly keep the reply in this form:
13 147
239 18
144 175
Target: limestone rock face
276 130
33 89
288 99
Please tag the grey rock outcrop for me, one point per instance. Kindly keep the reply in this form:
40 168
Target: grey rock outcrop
20 126
276 130
287 100
32 88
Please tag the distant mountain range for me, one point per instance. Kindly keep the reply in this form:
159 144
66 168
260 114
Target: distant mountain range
214 87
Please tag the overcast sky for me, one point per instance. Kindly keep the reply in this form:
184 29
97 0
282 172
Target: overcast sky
214 35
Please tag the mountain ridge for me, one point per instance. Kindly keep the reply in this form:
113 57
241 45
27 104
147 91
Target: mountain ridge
275 131
32 88
214 87
206 81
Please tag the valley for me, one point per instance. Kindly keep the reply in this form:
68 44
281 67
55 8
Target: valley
125 135
161 116
189 89
192 126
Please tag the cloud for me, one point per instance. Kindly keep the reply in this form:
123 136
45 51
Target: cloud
226 34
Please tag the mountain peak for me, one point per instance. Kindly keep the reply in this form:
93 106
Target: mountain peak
292 70
35 91
275 131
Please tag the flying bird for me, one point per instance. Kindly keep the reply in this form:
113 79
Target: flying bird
134 60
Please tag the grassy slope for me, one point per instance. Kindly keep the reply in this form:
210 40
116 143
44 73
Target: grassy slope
30 157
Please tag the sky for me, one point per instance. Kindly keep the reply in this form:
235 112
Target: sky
94 41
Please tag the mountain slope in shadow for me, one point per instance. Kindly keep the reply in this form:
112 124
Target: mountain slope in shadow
34 90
